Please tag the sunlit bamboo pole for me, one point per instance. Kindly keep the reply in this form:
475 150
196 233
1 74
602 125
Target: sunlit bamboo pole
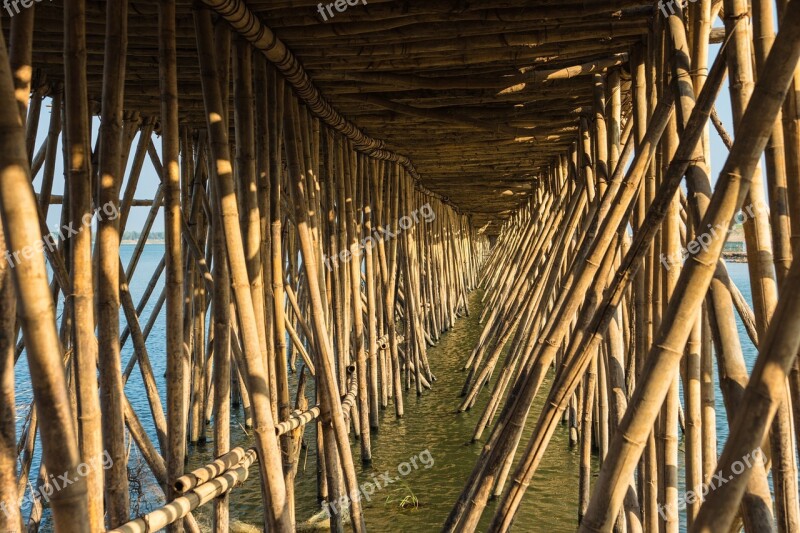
36 312
274 492
222 357
783 446
699 462
369 269
11 516
76 135
329 389
249 217
729 195
670 270
392 287
110 175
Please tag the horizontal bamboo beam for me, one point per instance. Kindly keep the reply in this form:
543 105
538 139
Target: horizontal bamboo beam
200 495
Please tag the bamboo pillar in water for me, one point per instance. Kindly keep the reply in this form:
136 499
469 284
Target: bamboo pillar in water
728 197
107 261
277 514
80 201
37 313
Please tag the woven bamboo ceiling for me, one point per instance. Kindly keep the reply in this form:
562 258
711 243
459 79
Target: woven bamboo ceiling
475 93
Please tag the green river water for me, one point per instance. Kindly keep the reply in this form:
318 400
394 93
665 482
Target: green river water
432 435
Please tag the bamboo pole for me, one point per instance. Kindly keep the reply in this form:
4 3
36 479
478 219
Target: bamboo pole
196 325
274 491
20 50
671 246
108 303
370 273
11 516
249 217
391 293
791 130
783 447
222 358
275 104
76 139
698 273
691 379
37 313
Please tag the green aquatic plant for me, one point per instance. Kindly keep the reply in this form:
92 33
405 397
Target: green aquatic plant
409 501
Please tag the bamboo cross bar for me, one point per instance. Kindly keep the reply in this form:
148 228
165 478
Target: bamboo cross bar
300 419
202 475
198 496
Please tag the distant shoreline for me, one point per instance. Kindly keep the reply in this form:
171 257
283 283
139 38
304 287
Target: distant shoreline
735 257
730 257
149 241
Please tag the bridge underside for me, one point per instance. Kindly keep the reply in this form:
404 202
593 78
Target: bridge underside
480 95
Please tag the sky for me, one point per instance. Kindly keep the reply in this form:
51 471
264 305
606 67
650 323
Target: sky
146 187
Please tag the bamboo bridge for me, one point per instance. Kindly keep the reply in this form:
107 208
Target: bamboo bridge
335 180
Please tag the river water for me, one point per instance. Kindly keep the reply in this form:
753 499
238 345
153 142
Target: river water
430 436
